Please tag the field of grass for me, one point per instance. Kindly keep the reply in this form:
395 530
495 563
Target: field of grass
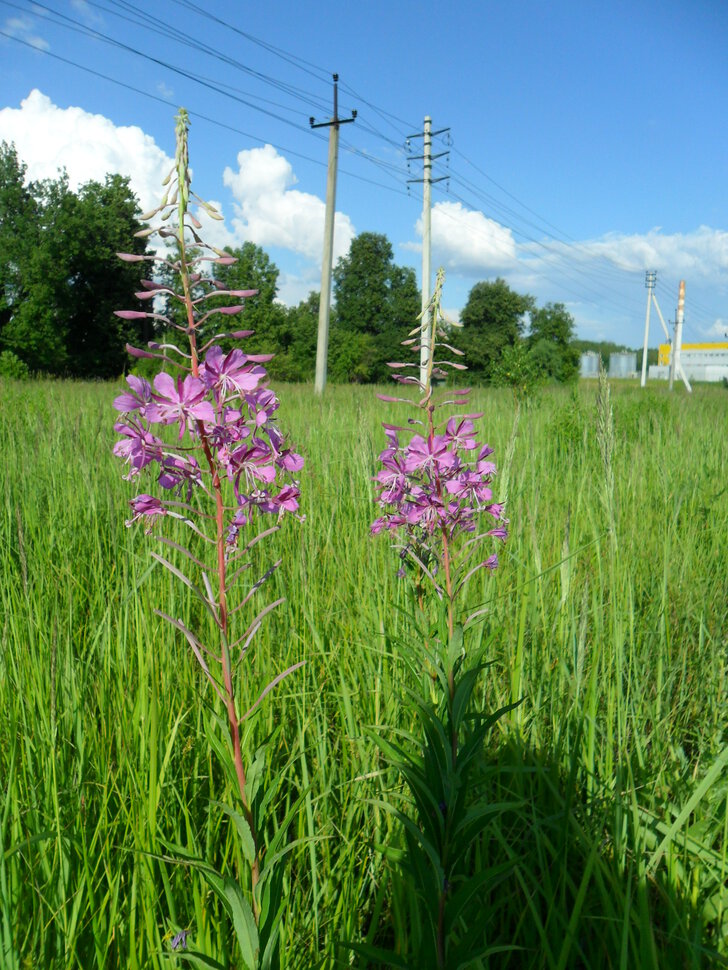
614 767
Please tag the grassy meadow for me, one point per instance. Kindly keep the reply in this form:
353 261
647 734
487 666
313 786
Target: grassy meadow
608 616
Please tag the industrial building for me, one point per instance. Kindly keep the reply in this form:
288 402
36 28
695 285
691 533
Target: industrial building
700 362
623 364
589 365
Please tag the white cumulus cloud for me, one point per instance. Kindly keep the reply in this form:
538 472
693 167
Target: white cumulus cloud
718 331
702 253
270 212
466 241
88 146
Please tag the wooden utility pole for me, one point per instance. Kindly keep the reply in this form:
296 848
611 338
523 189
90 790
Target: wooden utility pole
322 345
427 180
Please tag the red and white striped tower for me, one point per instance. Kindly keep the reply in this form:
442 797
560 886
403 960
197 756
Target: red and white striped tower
675 365
675 355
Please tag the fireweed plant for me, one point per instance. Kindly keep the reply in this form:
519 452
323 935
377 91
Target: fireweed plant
226 473
434 489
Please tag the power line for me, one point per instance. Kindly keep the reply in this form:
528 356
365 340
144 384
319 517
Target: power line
217 86
402 127
197 114
73 25
313 69
161 27
180 36
565 270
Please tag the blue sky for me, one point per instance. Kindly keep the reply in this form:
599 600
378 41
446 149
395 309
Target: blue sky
587 139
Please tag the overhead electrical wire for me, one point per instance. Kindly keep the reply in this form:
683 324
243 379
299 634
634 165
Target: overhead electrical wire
313 69
194 114
211 85
163 28
578 286
599 263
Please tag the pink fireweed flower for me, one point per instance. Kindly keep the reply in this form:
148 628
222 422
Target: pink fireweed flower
145 506
289 460
471 485
180 474
262 403
286 500
231 373
429 454
138 399
461 434
500 532
496 510
139 447
183 401
254 461
482 466
431 490
392 478
244 443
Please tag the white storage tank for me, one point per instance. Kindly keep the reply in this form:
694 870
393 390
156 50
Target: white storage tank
589 366
623 364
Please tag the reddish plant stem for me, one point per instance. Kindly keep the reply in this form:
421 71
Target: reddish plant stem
447 569
225 659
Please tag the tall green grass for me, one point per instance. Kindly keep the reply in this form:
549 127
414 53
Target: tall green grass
617 640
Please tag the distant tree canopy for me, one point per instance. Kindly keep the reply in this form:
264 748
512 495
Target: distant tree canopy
61 278
550 343
497 348
377 304
493 319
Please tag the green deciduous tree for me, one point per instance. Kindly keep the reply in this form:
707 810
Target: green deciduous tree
377 303
550 343
253 269
517 369
298 361
18 230
62 279
493 319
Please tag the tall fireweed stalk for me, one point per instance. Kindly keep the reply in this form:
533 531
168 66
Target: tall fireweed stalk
435 492
228 476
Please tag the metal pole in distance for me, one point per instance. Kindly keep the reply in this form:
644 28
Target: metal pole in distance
427 323
322 343
650 277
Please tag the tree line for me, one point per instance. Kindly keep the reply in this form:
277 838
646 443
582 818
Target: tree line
62 281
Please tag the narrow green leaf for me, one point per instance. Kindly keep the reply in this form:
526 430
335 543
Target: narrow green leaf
715 772
243 922
246 836
195 958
